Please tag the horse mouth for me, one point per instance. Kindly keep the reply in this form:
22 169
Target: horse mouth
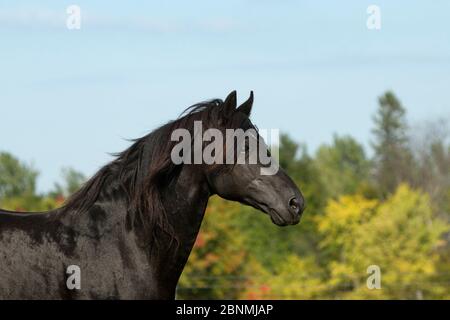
277 219
280 221
274 215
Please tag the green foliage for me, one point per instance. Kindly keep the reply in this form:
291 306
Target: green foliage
72 182
294 278
398 235
30 203
390 123
16 178
343 167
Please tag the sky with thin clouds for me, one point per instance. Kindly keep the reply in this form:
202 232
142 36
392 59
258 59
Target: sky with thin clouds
71 97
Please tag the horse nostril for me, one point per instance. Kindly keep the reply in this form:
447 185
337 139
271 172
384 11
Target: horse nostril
294 204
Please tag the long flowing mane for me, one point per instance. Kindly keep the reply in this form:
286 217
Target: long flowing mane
142 170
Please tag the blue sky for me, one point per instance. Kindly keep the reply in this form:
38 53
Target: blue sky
68 98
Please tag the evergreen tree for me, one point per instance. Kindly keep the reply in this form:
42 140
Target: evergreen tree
392 155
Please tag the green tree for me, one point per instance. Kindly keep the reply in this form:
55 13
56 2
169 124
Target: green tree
72 181
343 167
288 153
16 178
392 155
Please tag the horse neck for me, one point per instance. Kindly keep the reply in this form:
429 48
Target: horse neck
185 202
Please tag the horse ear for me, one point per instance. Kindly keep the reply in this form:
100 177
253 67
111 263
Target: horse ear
246 107
230 104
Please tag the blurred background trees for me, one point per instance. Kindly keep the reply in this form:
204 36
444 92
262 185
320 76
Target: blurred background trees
18 186
388 206
16 178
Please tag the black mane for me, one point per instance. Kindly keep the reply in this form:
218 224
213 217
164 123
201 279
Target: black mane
143 168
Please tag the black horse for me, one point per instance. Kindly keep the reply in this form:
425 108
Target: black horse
131 227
